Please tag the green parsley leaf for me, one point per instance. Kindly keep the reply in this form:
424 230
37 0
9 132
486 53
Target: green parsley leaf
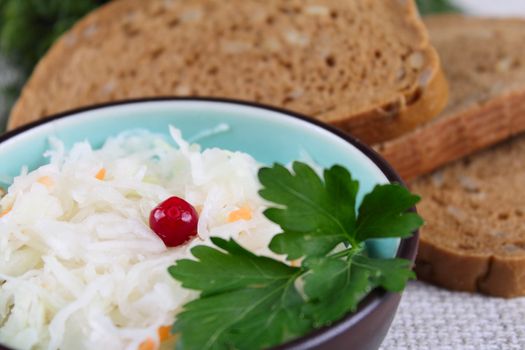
383 213
248 301
316 216
252 302
335 285
391 274
217 271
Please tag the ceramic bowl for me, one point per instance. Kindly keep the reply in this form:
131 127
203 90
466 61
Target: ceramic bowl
269 135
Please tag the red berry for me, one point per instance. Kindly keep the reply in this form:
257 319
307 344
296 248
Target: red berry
174 221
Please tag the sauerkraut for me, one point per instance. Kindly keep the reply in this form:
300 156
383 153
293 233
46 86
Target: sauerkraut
79 266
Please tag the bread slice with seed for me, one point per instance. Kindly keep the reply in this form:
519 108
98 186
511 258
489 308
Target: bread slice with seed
474 236
484 63
365 66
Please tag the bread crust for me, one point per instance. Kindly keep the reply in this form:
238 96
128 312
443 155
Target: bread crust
400 112
487 96
452 137
399 118
446 268
483 273
474 236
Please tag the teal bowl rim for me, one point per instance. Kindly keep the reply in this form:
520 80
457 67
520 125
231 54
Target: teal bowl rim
374 300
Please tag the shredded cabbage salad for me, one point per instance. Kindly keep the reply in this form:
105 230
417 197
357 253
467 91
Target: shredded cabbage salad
80 267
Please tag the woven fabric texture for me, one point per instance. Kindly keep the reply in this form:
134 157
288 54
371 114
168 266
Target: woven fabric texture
433 318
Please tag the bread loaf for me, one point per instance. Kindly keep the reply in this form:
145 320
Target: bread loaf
365 66
484 63
474 236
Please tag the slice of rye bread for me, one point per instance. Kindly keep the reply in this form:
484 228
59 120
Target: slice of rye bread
365 66
474 236
484 63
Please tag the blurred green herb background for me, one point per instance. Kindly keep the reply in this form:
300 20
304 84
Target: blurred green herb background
428 7
27 30
29 27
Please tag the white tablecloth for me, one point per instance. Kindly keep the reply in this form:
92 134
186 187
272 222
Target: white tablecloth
437 319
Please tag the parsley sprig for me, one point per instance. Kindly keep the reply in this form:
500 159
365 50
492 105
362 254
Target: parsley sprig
253 302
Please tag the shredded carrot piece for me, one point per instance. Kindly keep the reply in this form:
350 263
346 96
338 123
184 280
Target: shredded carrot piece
243 213
5 212
164 333
148 344
46 181
101 174
294 263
